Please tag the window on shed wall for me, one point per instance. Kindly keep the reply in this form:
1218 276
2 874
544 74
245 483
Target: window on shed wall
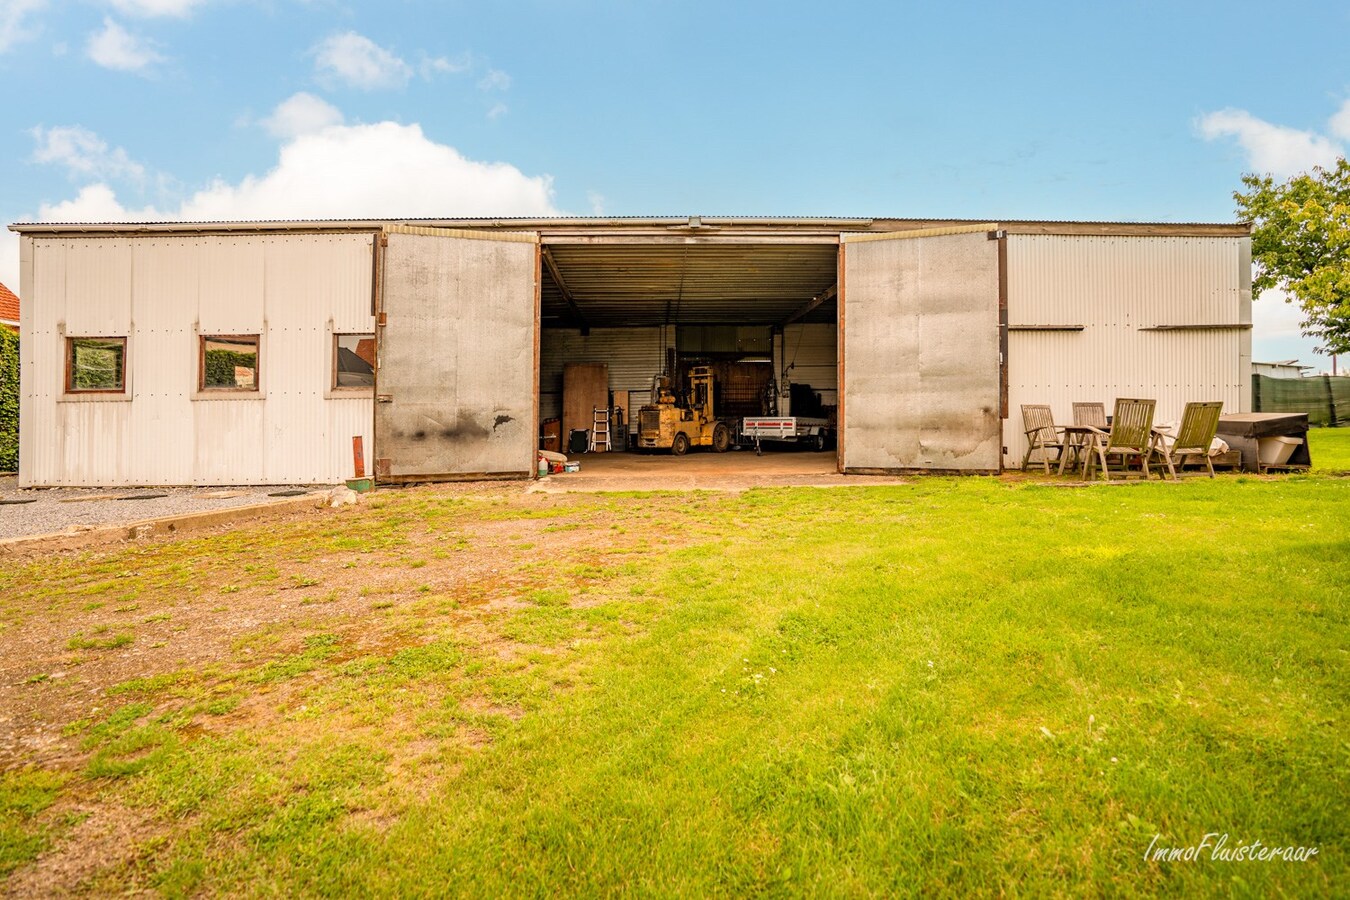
353 362
96 365
228 362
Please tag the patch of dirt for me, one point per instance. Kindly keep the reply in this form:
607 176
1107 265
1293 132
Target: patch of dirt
484 706
44 684
465 568
108 836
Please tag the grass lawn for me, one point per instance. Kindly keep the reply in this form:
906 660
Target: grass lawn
953 687
1330 449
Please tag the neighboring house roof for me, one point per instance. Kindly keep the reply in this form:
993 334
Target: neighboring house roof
9 306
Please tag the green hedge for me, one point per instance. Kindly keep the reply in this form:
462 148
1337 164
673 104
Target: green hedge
9 400
220 365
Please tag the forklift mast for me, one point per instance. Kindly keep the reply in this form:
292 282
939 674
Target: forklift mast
701 390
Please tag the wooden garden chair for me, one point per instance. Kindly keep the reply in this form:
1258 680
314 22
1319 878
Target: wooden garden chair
1195 434
1042 434
1085 415
1093 414
1131 434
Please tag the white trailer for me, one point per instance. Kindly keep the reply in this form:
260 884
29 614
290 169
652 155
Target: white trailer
814 433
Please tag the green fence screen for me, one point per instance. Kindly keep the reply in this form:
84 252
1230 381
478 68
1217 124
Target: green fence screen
1325 398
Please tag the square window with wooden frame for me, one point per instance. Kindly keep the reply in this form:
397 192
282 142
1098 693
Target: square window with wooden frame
96 365
353 362
228 362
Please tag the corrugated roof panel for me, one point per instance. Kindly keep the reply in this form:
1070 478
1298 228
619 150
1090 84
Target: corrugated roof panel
700 283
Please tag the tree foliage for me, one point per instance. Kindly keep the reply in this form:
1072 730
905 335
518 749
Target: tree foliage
9 400
1301 245
221 366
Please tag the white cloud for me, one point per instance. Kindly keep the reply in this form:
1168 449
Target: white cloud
14 18
597 202
1273 316
497 111
1340 123
359 62
430 67
495 80
84 153
9 259
94 203
301 113
384 170
153 8
1276 334
1276 149
116 48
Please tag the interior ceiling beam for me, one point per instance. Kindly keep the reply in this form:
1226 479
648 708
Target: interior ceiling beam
566 292
761 240
806 308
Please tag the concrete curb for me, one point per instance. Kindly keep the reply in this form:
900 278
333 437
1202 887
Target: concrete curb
145 528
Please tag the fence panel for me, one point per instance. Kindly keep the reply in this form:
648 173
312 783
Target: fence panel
1325 398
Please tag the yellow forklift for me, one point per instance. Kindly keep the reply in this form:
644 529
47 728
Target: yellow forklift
675 424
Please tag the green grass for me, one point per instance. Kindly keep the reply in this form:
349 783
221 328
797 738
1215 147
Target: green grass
24 794
954 687
1330 449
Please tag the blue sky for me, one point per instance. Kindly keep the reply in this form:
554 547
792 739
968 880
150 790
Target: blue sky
134 109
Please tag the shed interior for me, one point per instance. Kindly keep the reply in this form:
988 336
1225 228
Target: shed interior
761 313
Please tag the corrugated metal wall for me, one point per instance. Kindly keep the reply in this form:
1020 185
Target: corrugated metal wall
162 292
456 355
1118 289
921 351
634 356
810 353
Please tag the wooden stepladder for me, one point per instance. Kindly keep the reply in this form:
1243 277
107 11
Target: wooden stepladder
600 430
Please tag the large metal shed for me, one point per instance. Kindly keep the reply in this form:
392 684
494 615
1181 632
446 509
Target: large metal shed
924 336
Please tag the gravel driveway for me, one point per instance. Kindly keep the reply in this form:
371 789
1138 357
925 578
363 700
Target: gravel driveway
59 510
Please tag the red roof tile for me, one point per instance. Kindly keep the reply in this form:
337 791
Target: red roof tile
9 305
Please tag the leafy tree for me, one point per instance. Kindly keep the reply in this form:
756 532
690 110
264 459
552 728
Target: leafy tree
1301 245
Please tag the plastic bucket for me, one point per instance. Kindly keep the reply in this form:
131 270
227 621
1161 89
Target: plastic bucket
1275 451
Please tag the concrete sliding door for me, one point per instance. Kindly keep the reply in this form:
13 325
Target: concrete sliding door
919 351
458 355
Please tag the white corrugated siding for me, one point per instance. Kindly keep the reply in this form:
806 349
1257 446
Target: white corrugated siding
1115 287
634 356
810 353
162 292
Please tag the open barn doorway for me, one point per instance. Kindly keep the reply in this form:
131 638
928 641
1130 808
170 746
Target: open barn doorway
662 350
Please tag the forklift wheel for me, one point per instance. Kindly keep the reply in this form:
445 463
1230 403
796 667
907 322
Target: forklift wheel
680 446
721 439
